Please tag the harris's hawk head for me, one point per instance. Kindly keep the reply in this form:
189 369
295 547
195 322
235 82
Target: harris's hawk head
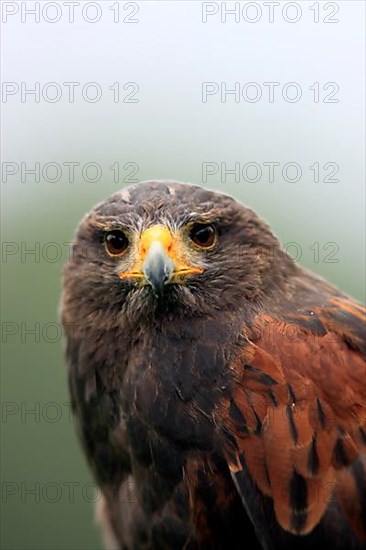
160 246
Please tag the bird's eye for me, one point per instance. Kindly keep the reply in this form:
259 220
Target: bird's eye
116 242
203 235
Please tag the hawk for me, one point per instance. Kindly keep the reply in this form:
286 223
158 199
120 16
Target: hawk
219 389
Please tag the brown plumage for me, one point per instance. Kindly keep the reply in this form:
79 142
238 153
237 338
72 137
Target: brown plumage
219 389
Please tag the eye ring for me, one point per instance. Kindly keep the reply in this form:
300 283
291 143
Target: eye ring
116 242
203 235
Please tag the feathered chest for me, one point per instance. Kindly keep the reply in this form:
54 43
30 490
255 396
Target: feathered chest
175 378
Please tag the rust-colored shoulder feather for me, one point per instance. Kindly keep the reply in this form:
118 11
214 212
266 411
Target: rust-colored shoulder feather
297 414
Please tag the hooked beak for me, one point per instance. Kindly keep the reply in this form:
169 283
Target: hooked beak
160 259
158 267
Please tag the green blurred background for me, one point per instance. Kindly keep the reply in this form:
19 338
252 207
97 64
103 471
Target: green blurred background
47 491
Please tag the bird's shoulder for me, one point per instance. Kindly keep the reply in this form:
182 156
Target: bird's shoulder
296 418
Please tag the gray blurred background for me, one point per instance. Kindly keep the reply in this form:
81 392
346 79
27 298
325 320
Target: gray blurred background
149 115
